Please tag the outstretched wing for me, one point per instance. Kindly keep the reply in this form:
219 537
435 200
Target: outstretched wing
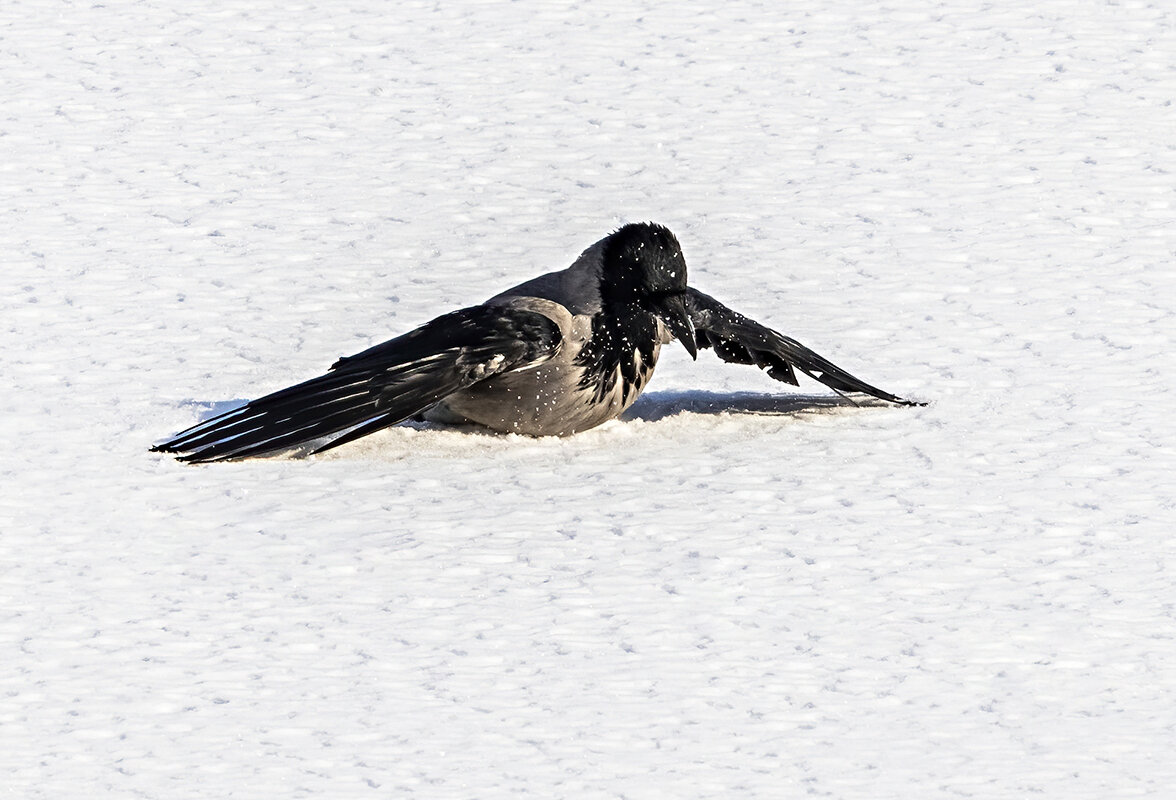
740 340
379 387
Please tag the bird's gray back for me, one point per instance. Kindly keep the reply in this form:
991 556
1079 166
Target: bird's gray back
562 395
576 288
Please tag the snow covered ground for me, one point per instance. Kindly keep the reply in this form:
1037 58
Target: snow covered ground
737 592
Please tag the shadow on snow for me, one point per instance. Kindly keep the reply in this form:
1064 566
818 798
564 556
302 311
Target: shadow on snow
650 407
654 406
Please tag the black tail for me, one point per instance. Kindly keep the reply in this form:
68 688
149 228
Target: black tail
379 387
319 407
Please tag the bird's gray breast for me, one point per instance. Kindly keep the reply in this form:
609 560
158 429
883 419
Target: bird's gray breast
596 375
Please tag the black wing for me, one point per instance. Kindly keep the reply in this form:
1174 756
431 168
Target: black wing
740 340
379 387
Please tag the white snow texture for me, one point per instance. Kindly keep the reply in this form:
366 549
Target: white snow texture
737 591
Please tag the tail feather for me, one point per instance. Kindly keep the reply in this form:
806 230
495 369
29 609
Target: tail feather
382 386
288 418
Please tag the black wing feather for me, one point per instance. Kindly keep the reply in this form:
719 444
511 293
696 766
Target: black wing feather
381 386
740 340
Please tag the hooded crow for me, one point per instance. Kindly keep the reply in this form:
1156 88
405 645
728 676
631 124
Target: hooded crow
553 356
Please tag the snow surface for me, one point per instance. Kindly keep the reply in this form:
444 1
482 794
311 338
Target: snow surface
737 592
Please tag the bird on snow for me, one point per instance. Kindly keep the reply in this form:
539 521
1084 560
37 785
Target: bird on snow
556 355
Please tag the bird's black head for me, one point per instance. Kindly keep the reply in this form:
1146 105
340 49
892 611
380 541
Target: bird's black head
642 266
642 259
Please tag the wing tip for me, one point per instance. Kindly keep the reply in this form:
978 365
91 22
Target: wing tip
893 399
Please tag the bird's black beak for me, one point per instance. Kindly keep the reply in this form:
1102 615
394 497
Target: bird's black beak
671 309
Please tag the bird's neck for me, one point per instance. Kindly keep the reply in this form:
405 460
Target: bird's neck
623 348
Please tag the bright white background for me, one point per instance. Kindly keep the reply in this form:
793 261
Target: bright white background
971 207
